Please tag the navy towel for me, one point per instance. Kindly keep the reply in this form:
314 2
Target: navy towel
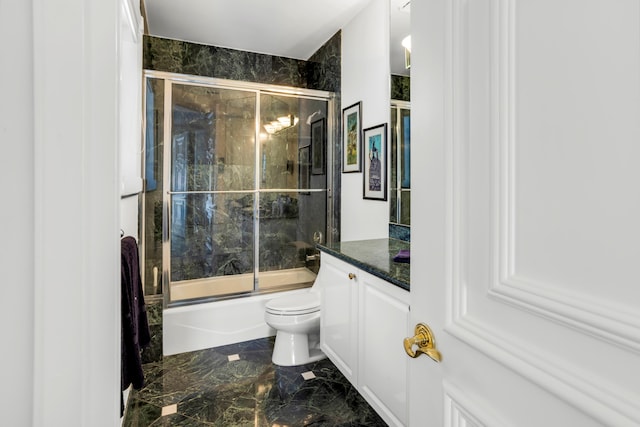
403 255
134 324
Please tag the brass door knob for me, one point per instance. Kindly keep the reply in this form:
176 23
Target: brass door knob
425 341
352 276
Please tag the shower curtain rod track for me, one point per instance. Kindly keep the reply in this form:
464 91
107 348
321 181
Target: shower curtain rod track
270 190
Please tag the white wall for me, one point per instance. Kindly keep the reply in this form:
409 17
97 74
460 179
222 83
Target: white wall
365 78
16 215
59 250
130 114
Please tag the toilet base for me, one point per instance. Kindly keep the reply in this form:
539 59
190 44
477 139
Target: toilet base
293 349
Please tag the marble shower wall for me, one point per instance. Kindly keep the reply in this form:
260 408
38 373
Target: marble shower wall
327 72
153 352
320 72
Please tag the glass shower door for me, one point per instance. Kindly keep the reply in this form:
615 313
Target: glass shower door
211 191
292 184
236 188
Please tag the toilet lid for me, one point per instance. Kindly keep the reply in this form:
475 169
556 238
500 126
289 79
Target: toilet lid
291 305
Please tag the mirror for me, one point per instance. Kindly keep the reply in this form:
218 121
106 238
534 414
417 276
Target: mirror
400 136
400 161
399 28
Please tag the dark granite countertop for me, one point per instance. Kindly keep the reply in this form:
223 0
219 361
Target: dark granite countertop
374 256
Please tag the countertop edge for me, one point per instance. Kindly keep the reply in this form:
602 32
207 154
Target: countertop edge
366 267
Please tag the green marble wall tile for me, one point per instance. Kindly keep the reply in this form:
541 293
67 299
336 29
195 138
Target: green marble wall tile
324 66
153 352
400 87
321 72
400 232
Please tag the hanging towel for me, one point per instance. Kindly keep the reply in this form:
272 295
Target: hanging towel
135 327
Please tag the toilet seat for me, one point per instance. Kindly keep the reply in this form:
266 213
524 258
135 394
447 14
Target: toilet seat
294 305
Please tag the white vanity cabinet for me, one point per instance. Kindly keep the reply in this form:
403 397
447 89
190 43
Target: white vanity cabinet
339 318
382 362
364 319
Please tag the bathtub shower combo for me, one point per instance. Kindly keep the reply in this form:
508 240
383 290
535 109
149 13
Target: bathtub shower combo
236 188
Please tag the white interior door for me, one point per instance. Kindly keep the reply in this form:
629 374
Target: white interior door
526 145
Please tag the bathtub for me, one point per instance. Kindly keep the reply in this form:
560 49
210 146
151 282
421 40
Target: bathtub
199 326
225 285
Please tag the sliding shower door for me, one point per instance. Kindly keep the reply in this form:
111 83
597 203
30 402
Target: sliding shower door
292 204
211 197
243 195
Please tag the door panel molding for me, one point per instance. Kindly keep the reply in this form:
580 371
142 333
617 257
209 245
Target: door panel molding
593 317
571 309
612 407
559 377
462 411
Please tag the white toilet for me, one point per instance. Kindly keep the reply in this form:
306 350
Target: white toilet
296 319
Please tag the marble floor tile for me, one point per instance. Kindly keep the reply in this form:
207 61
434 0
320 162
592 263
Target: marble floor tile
209 388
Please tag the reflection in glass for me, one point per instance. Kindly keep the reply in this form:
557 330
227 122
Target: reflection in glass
400 182
287 224
211 234
289 212
213 133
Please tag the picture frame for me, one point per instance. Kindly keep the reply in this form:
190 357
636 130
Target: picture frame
303 170
318 142
352 138
375 162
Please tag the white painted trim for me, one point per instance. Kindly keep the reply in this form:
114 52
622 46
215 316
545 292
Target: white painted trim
133 19
566 382
608 405
76 195
460 410
589 316
17 214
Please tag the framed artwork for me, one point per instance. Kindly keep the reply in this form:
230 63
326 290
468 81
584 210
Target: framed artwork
318 139
351 142
375 162
303 169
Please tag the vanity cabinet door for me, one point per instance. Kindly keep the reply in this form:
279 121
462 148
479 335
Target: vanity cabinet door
339 319
382 362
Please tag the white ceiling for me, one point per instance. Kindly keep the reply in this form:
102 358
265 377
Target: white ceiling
288 28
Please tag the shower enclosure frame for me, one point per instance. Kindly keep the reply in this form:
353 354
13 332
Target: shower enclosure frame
258 88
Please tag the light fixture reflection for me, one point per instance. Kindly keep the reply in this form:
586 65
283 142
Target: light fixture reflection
282 122
406 43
